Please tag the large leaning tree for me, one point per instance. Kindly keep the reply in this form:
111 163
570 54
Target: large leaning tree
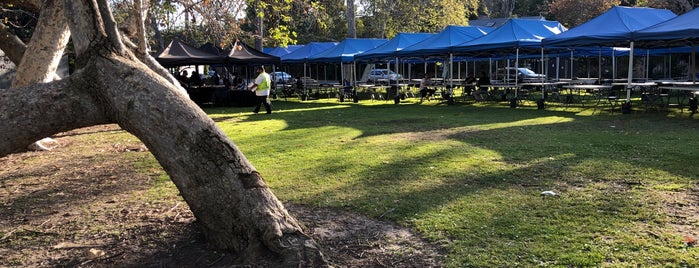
116 81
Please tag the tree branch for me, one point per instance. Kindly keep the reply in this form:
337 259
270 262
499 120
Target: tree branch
110 25
43 54
79 13
11 44
30 113
142 51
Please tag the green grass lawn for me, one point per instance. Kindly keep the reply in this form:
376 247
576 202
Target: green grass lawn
469 177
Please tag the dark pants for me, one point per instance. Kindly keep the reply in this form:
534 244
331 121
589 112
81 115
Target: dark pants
263 100
426 92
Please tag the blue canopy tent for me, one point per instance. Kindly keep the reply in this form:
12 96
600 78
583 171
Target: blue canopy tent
344 52
302 54
682 30
612 28
679 31
281 51
515 34
443 42
389 50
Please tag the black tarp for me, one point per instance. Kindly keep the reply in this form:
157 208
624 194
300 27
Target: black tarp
241 53
178 53
211 48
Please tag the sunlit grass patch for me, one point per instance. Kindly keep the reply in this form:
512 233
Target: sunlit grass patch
470 177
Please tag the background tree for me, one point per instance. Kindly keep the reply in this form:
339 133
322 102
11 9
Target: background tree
571 13
300 21
195 22
677 6
525 8
387 18
499 8
351 20
17 22
377 14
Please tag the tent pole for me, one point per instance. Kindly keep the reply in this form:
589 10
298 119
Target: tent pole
669 66
629 79
543 79
451 73
558 64
353 75
613 64
694 64
599 67
587 61
397 73
516 70
507 70
458 69
647 62
466 69
571 64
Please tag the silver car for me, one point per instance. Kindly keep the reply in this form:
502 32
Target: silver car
281 77
383 74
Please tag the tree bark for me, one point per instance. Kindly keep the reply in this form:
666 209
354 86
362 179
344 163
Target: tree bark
12 46
351 22
228 196
30 113
260 37
44 52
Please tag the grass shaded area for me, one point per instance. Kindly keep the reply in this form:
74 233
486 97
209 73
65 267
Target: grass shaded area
469 177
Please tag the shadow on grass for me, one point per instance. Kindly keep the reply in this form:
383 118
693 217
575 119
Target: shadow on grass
532 151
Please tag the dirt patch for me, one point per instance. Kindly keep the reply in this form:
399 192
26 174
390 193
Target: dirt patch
75 207
683 210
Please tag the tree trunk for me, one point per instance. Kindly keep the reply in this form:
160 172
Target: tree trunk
158 36
44 52
351 23
259 38
227 195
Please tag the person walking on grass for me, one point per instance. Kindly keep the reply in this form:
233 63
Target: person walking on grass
261 86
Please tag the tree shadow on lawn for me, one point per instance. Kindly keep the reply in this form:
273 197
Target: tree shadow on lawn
569 134
576 153
91 207
503 208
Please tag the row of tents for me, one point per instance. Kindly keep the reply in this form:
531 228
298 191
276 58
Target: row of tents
657 30
177 53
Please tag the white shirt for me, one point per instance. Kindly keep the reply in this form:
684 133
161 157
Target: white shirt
263 82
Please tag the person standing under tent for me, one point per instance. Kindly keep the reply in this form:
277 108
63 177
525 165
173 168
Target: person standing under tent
482 85
262 86
425 91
